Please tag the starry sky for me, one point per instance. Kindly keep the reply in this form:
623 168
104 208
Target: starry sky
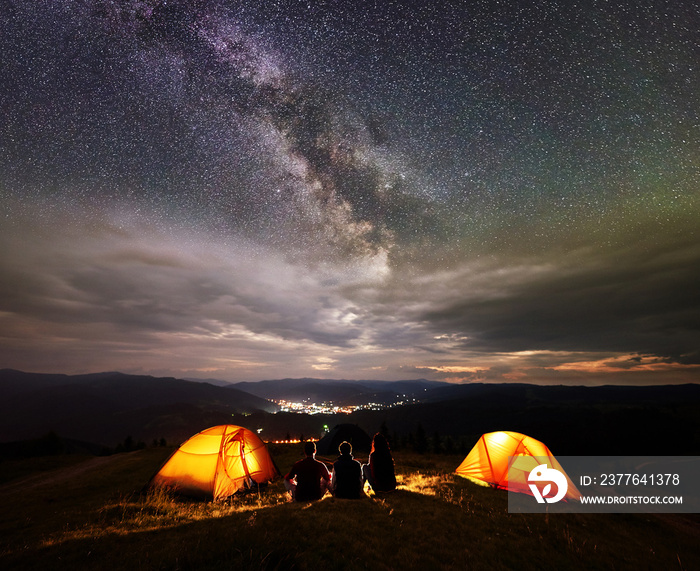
470 191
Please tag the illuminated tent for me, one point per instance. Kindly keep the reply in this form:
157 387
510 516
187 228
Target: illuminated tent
489 462
216 463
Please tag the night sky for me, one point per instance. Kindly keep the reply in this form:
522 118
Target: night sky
475 191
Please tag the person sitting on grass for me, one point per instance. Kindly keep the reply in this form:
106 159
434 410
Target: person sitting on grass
308 479
346 478
379 472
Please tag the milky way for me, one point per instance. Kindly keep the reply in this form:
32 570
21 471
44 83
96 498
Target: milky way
471 191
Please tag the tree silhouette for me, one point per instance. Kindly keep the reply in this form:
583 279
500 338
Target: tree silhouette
384 431
421 442
437 443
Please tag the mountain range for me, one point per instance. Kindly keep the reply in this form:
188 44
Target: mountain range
340 392
105 408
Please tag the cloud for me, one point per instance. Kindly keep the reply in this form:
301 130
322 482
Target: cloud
635 301
139 287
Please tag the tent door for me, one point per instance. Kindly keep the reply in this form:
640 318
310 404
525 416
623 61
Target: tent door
233 455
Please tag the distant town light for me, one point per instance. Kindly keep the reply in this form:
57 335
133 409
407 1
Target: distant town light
328 407
291 441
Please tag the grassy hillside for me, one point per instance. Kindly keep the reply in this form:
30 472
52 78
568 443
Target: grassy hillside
86 513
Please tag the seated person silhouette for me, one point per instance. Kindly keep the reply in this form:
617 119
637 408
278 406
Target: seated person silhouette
308 479
379 471
346 478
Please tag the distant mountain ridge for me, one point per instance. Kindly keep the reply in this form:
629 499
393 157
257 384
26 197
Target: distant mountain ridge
339 391
106 407
571 420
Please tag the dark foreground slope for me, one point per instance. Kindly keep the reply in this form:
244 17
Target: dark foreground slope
89 515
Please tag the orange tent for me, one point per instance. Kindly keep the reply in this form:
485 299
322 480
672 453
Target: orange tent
497 454
216 463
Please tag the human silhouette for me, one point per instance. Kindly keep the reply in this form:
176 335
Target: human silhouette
346 478
379 471
308 479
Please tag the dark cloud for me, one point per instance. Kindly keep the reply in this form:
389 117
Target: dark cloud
639 302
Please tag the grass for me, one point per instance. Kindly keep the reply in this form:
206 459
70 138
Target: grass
91 515
16 469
